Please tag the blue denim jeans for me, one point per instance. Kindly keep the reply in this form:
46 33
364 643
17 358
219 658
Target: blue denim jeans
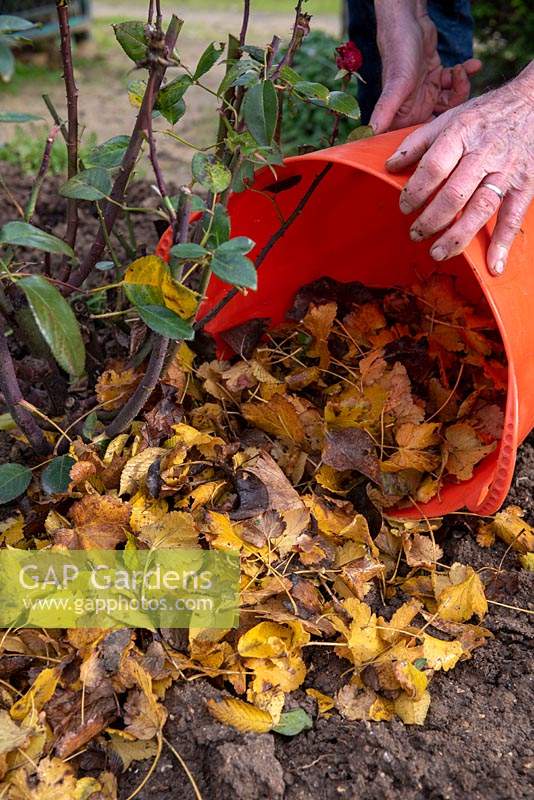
453 20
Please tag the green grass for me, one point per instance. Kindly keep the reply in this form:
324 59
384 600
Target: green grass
272 6
30 73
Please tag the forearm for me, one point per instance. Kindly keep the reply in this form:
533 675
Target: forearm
392 10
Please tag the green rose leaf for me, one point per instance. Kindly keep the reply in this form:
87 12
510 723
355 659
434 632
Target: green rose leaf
17 116
7 62
311 89
10 24
165 322
189 251
109 154
343 103
211 173
209 57
14 480
257 53
260 111
361 132
220 226
57 323
289 75
131 37
90 184
55 478
23 234
230 264
294 722
170 102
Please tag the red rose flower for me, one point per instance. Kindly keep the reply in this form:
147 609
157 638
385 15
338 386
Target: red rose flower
349 57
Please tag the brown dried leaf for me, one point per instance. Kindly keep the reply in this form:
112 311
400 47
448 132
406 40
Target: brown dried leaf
352 448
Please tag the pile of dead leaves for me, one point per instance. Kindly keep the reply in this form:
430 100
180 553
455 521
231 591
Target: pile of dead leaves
285 455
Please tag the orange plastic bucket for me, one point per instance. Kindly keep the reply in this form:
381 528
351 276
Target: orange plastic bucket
351 229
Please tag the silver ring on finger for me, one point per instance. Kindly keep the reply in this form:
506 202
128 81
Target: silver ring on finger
494 188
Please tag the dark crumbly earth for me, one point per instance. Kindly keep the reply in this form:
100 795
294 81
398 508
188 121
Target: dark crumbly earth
476 740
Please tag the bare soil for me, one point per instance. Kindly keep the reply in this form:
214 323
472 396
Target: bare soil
475 743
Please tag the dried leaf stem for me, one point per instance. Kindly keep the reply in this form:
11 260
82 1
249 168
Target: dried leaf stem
264 252
112 207
72 115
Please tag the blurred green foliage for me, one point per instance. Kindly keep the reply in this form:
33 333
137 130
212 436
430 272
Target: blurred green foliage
504 36
25 150
305 126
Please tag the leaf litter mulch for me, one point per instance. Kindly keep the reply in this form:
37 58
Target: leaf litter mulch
364 664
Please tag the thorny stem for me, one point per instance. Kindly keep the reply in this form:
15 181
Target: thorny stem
160 348
136 402
300 30
266 249
10 388
153 155
244 26
45 161
111 209
55 116
72 116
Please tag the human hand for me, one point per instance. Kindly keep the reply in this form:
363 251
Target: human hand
488 140
415 84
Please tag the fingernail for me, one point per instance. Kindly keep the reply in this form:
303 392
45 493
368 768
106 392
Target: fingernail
404 206
415 236
438 253
394 157
499 267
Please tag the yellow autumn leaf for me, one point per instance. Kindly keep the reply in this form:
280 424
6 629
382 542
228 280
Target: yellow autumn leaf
464 597
145 510
129 749
318 321
410 711
12 530
56 781
175 530
362 704
324 701
287 672
400 621
136 469
271 640
37 695
364 639
240 715
412 680
179 298
527 561
440 654
221 532
144 715
278 416
154 274
271 700
11 736
465 450
510 526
